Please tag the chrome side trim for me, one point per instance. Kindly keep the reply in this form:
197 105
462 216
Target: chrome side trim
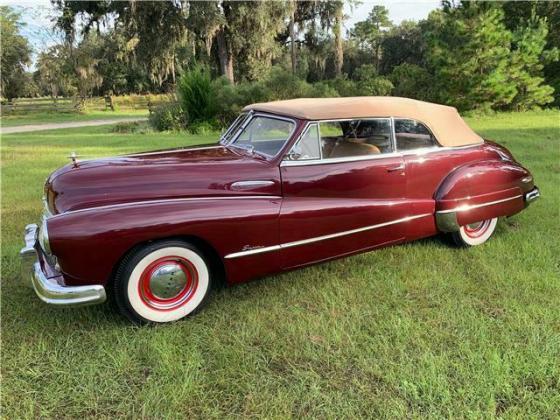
53 293
467 207
253 251
171 200
247 185
337 160
323 238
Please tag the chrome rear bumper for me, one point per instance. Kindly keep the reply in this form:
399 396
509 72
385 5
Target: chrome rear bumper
532 196
49 288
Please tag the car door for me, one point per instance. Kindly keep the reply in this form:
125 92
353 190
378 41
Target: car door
343 190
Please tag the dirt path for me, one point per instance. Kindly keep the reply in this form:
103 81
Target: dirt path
54 126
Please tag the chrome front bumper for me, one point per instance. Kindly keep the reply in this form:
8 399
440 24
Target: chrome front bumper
49 288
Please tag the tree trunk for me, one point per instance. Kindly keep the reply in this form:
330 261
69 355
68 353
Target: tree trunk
224 56
293 37
338 52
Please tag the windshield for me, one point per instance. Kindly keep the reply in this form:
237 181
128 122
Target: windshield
265 135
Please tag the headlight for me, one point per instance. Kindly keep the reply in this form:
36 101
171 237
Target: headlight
44 237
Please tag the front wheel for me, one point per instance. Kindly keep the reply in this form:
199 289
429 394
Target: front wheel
162 282
475 233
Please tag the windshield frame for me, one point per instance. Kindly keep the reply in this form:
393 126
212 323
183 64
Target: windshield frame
230 134
247 121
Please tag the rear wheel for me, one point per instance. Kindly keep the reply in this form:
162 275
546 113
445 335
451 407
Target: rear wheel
162 282
475 233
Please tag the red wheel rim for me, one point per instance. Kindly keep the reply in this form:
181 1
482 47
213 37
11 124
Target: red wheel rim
172 267
476 230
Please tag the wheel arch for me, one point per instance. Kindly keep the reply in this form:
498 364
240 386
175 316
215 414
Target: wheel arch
216 264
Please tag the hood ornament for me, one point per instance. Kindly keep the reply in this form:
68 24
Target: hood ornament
74 158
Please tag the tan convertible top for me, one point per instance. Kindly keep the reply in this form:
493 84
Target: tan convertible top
444 121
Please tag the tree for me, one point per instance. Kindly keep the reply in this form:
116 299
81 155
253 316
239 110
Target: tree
16 54
528 58
370 83
518 13
401 44
153 29
55 73
337 30
371 32
468 51
412 81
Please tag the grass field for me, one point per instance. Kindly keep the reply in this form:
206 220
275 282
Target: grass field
12 120
420 330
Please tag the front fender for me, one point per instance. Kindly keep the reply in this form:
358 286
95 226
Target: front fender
479 191
89 243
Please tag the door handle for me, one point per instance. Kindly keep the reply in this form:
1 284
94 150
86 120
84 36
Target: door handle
399 167
249 185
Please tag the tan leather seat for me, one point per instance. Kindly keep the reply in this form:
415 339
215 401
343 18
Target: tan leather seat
345 148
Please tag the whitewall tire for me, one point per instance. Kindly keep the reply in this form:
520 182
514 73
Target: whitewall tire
475 233
162 282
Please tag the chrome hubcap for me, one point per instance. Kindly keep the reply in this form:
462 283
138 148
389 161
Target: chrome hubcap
167 281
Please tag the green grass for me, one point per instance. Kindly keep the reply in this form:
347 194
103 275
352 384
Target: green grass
419 330
43 117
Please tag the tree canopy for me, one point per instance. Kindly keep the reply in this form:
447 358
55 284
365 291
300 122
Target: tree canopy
473 55
16 54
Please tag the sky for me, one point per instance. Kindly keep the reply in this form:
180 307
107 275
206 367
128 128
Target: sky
38 14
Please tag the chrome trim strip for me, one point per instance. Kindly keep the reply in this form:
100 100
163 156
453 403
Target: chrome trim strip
338 160
324 237
171 200
247 185
253 251
468 207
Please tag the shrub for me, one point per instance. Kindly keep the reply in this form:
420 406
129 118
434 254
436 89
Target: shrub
196 94
168 117
279 84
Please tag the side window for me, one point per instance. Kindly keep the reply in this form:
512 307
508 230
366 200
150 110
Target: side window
356 138
412 135
308 147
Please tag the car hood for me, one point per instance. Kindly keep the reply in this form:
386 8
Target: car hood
207 171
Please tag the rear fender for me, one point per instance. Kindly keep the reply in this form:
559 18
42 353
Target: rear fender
479 191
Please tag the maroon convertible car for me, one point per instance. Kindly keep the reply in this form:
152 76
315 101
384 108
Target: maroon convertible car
290 183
